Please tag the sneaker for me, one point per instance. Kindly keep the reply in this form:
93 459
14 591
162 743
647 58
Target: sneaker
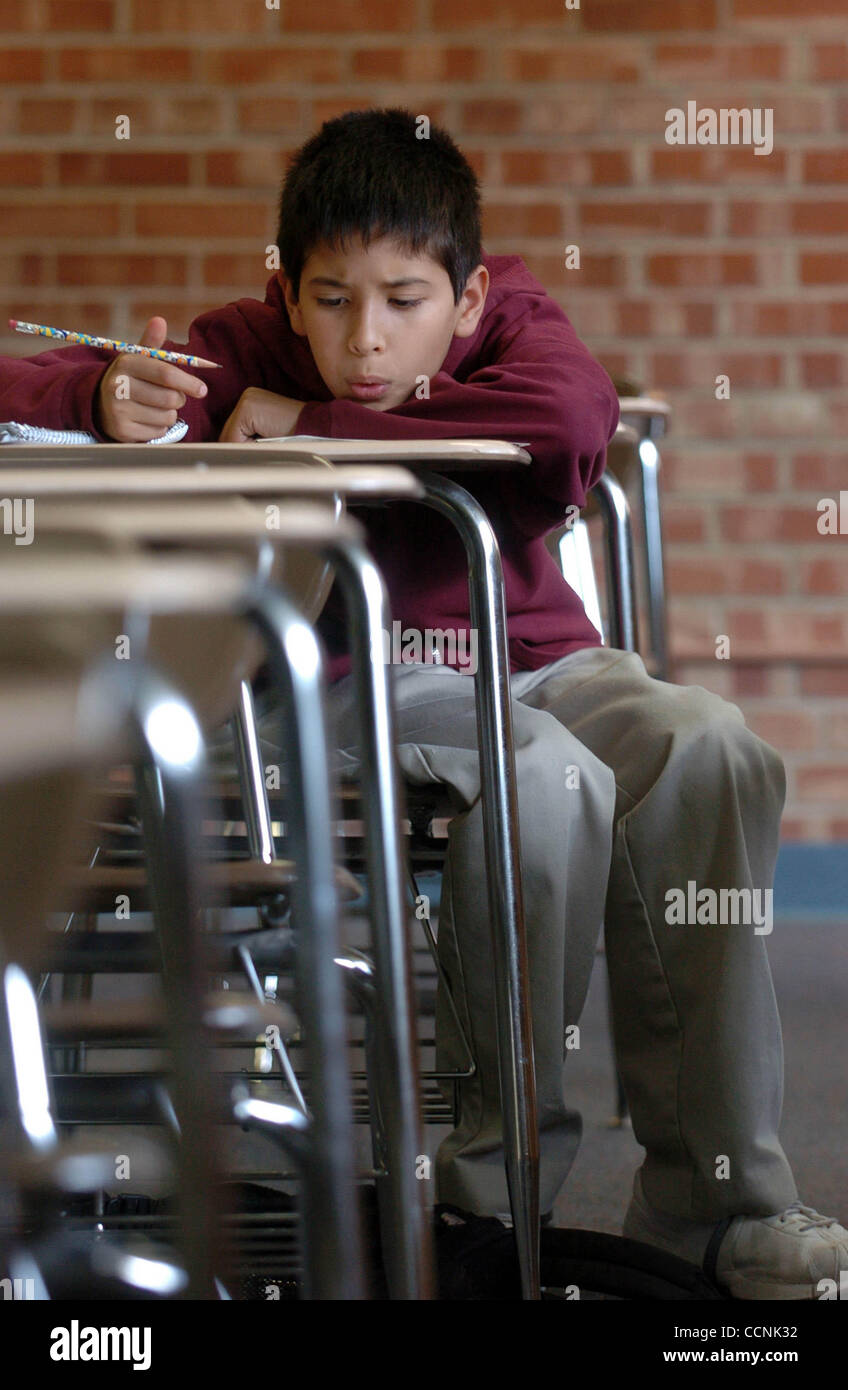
785 1256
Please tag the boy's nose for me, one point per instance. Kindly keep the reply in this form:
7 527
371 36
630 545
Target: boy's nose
365 336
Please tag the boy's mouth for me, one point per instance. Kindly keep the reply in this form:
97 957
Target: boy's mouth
368 388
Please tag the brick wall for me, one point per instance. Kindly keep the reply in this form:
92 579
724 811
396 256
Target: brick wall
695 262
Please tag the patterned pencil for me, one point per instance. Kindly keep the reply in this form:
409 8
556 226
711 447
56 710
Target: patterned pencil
65 335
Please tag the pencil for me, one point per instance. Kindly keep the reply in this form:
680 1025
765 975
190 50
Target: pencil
181 359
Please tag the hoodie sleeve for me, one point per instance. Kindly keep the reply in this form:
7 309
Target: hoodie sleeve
58 389
533 382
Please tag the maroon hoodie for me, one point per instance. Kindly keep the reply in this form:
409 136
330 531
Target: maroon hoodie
523 376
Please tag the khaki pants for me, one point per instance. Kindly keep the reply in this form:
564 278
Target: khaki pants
628 787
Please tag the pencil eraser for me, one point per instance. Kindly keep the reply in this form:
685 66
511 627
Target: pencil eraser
13 323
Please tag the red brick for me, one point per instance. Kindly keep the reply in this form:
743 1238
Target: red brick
246 269
24 167
47 115
836 729
748 525
749 681
521 220
425 62
825 166
583 168
671 219
378 63
823 268
822 369
61 221
97 317
136 64
696 574
761 472
820 219
269 115
105 112
183 115
16 18
248 221
830 62
825 680
179 313
788 9
758 577
700 369
634 317
129 269
789 318
349 16
197 16
818 470
25 269
758 219
239 66
702 270
129 167
719 164
492 15
784 729
94 16
653 16
327 109
21 65
719 60
827 783
824 576
699 319
577 61
596 272
253 167
682 522
491 117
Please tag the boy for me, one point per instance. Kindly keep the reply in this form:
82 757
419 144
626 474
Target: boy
388 321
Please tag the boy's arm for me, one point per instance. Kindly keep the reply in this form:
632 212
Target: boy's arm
541 385
59 389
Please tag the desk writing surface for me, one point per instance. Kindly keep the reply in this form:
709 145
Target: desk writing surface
272 479
452 455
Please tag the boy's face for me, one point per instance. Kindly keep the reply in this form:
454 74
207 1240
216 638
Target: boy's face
380 314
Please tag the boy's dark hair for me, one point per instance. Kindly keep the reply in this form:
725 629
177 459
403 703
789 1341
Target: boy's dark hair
367 174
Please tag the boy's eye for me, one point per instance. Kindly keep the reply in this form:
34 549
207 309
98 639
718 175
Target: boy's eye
401 303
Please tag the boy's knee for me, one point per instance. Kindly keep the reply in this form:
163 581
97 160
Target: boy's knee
713 732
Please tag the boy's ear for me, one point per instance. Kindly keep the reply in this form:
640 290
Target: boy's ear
295 316
472 303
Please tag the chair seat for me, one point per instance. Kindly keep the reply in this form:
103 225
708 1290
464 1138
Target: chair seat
231 883
225 1013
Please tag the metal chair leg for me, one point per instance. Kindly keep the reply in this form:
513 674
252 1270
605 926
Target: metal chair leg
621 577
331 1229
257 815
407 1246
500 815
649 459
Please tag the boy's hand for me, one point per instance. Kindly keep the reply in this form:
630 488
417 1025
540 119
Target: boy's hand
139 397
261 414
